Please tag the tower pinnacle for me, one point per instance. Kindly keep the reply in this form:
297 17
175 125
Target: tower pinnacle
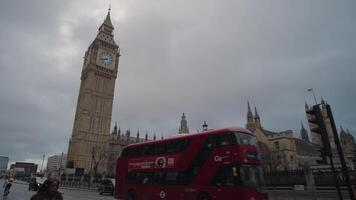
249 113
183 125
304 133
257 119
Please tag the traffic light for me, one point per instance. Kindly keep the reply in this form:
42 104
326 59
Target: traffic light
317 125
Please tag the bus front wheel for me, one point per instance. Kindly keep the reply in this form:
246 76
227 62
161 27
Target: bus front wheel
131 195
204 196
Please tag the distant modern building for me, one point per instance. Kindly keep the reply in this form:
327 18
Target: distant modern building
4 161
27 168
56 162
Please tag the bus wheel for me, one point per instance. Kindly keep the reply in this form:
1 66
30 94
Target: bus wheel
131 195
204 196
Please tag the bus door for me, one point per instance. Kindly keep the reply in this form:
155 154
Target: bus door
227 182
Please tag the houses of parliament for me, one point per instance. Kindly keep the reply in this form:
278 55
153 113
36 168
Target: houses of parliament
94 145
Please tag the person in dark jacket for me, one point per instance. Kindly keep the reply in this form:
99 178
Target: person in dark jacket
48 191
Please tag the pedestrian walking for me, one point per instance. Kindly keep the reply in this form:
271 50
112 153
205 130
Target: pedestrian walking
7 185
48 191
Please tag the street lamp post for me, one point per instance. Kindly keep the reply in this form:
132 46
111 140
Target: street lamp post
43 157
60 166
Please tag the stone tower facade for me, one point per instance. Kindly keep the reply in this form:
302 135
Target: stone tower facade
183 125
347 142
91 129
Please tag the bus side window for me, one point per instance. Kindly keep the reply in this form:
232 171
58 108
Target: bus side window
132 177
129 152
147 178
227 139
159 178
211 141
177 146
160 148
147 150
175 178
133 152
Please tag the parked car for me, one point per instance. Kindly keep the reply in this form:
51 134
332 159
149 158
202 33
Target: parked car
107 186
35 183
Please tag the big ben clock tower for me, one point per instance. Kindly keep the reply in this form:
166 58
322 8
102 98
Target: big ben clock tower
95 100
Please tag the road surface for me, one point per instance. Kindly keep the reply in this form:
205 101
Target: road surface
20 192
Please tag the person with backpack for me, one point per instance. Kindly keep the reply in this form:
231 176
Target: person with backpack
7 185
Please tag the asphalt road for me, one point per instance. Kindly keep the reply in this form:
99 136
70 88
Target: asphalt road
20 192
306 195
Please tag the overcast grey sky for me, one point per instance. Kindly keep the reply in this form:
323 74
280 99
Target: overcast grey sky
204 57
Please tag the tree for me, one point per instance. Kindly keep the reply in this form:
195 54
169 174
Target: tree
98 154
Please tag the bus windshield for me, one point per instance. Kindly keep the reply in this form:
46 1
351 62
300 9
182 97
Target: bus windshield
243 138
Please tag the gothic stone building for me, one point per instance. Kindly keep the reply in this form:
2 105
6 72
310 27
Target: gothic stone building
280 150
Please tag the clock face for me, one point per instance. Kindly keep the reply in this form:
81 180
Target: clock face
105 58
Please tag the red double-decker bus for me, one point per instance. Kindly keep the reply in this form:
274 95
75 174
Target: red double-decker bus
219 164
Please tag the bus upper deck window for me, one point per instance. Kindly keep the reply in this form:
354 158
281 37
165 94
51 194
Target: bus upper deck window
211 141
226 139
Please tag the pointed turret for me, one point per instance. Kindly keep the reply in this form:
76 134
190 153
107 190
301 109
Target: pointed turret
343 137
106 29
250 125
115 129
304 133
107 26
128 135
342 132
249 113
351 137
183 125
138 135
306 106
257 119
107 20
322 101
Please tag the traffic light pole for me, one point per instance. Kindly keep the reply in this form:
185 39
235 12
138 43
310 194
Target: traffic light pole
316 118
335 178
340 152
